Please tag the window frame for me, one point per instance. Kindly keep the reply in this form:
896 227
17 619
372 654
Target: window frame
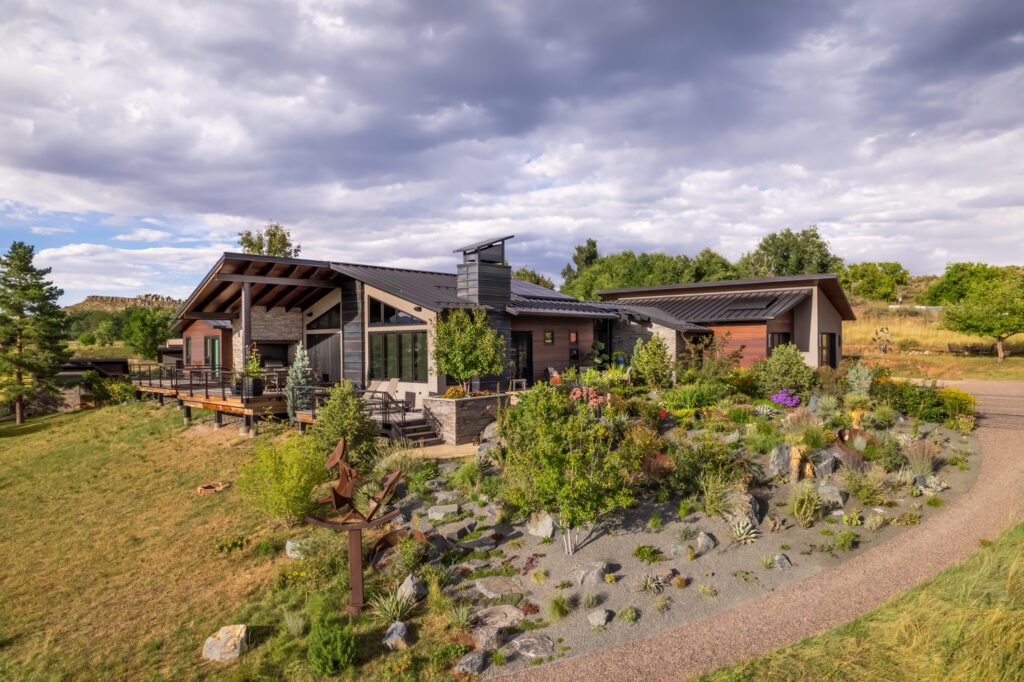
376 317
386 348
549 337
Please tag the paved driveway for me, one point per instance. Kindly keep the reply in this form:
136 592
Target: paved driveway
829 599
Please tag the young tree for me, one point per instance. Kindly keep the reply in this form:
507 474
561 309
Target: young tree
272 240
467 346
994 309
342 416
32 345
146 329
106 333
299 395
652 362
525 274
790 253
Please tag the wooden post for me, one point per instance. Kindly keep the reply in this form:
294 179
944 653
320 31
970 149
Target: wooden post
160 399
302 428
246 319
218 420
355 572
246 428
188 415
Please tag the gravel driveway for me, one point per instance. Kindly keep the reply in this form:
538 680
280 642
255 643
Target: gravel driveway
829 599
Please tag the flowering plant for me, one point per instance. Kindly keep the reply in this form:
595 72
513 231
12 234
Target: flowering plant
556 379
454 393
785 398
586 394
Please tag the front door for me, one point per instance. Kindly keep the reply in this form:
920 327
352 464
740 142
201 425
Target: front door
522 356
211 352
325 356
828 350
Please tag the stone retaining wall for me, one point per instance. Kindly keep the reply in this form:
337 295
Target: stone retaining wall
461 421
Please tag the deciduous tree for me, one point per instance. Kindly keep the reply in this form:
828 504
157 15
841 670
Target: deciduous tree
875 281
786 253
994 309
466 346
272 240
957 282
146 329
525 274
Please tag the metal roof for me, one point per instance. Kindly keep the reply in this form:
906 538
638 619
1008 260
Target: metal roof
745 306
531 290
646 313
482 245
432 290
562 307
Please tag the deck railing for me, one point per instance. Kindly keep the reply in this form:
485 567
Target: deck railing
389 410
207 381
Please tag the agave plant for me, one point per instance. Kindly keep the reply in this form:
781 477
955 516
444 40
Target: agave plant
743 533
391 607
828 404
650 583
764 410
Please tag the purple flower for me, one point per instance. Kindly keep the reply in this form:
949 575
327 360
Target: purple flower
785 398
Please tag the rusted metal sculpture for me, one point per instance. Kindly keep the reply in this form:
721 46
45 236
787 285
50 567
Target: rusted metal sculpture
342 499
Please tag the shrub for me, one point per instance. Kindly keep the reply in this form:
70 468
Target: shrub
886 452
279 481
332 647
460 616
655 521
342 416
295 623
876 523
956 402
764 438
559 607
120 391
869 487
784 368
591 600
685 508
694 457
628 614
650 583
859 378
651 362
713 488
693 396
805 504
883 416
648 554
922 456
468 476
390 607
845 540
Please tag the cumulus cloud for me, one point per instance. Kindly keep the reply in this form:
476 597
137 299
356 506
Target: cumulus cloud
392 131
49 231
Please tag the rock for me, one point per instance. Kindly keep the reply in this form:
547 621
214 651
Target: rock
227 645
934 484
472 663
397 636
439 511
705 543
741 506
781 562
293 549
476 564
457 530
825 463
446 496
421 524
591 574
485 541
412 588
533 646
814 403
831 496
664 575
778 461
500 616
435 484
487 638
541 525
487 450
495 586
731 438
489 433
599 617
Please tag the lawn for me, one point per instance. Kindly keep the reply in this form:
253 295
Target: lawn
110 565
966 624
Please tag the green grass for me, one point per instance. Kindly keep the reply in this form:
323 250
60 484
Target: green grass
965 624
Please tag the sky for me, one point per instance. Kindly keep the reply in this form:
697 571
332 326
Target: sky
138 138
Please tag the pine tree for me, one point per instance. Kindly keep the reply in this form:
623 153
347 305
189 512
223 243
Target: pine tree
32 345
299 395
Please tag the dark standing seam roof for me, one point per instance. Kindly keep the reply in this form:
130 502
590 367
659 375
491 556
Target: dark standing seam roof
559 306
531 290
657 316
732 307
432 290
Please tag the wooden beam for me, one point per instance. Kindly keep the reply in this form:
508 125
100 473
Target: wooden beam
209 316
287 281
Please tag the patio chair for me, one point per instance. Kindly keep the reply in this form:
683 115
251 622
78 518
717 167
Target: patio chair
553 374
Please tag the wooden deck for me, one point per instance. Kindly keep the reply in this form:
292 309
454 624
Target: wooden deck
219 400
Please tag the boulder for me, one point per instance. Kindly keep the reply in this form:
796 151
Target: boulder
541 525
533 646
490 433
447 496
730 438
814 403
781 562
495 586
485 541
500 616
705 543
293 549
472 663
397 636
412 588
487 638
457 530
439 511
227 645
831 496
934 484
778 461
591 574
664 575
741 506
476 564
435 484
599 617
487 450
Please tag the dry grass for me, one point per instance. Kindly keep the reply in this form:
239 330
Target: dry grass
924 329
949 367
966 624
110 564
117 350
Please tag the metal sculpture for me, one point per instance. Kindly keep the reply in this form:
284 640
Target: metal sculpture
342 500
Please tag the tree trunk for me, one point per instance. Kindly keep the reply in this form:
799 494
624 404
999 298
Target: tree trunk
1000 354
19 410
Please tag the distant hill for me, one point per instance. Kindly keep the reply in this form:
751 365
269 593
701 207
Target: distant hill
115 304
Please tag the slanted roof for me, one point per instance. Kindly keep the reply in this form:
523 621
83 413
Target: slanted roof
479 246
562 307
530 290
745 306
828 283
645 313
431 290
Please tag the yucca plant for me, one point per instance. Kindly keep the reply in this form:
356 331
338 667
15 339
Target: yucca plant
650 583
391 607
460 616
743 533
805 504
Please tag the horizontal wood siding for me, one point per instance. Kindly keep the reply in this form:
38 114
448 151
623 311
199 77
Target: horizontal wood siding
194 336
782 323
556 355
751 339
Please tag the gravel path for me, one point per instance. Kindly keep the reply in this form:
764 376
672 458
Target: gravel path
861 584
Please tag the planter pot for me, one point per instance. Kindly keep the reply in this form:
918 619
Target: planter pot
461 420
251 387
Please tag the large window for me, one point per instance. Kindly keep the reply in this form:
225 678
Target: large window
401 355
776 339
383 315
329 320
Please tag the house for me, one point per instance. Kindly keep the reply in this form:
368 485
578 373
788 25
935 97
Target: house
754 315
205 343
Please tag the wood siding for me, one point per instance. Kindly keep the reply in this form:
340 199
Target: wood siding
193 338
557 354
751 339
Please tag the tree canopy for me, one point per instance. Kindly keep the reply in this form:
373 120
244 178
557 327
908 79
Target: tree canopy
272 240
957 282
874 281
993 308
584 256
786 253
32 345
467 346
525 274
146 329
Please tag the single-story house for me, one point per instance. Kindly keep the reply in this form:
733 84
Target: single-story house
370 323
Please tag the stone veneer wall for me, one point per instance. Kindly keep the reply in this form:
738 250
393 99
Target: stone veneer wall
626 332
461 421
267 325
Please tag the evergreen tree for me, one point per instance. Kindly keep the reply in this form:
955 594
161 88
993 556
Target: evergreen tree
584 256
32 345
299 395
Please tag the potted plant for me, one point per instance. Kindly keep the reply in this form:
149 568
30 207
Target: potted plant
250 382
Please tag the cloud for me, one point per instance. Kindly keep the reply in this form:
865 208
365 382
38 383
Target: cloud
47 231
394 131
143 234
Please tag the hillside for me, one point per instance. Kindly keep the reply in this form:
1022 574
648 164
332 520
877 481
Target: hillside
115 304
